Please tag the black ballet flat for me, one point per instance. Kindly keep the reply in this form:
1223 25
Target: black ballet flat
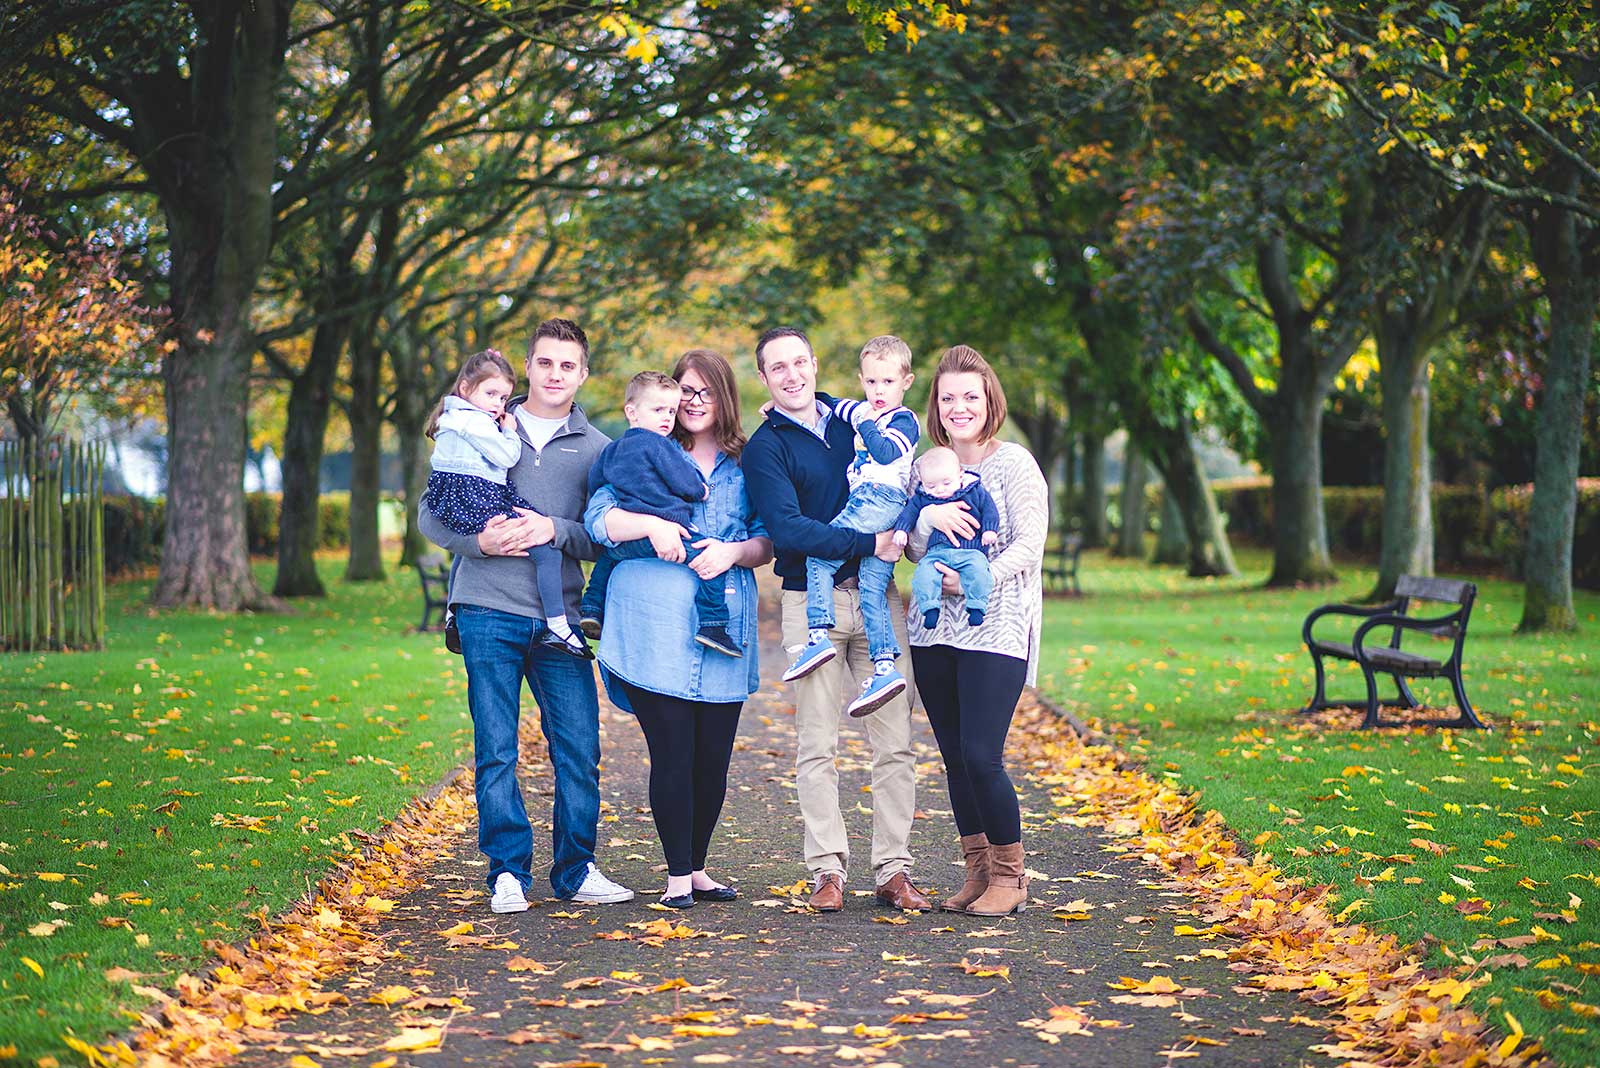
716 893
573 646
683 901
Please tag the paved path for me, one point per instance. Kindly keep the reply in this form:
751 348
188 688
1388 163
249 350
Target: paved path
763 981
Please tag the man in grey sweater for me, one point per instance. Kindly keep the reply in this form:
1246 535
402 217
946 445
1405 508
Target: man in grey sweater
501 623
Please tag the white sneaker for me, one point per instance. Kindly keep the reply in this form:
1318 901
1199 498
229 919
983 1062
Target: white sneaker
508 895
598 890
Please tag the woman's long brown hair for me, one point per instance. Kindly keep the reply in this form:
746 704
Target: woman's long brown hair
726 426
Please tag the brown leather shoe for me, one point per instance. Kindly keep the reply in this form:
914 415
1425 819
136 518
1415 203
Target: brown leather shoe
829 894
899 892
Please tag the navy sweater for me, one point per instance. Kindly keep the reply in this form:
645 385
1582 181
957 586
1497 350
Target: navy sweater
977 498
798 483
651 475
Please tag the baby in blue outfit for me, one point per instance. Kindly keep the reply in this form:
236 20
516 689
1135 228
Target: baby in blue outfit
944 481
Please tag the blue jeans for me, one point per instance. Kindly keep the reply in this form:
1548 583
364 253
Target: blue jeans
971 564
871 509
500 652
710 595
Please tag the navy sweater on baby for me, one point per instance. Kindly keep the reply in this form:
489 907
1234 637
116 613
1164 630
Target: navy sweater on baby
977 498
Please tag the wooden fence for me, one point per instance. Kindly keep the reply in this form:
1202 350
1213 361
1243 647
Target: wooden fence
52 539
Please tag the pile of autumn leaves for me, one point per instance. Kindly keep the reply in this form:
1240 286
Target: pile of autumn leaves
281 970
1385 1007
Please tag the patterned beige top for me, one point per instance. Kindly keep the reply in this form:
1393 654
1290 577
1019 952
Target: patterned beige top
1015 616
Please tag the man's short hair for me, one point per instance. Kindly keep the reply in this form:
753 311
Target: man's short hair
774 334
888 347
646 382
561 330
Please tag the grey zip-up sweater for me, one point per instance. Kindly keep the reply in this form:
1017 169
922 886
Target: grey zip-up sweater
554 480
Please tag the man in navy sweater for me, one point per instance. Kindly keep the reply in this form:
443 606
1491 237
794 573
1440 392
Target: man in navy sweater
795 470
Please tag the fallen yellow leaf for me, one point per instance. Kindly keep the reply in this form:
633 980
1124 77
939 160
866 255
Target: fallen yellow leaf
412 1039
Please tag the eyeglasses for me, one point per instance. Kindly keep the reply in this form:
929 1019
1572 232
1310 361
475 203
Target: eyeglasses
697 396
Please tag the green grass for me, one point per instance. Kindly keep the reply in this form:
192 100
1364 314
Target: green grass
1204 677
199 770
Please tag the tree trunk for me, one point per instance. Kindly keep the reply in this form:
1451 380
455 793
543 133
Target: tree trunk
414 470
365 563
1209 553
1299 529
1572 286
205 561
1067 502
1135 477
1172 544
310 403
213 172
1093 507
1407 546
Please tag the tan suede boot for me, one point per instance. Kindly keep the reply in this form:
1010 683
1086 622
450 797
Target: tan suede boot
1008 883
975 851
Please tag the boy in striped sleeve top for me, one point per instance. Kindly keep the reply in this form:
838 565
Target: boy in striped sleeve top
886 437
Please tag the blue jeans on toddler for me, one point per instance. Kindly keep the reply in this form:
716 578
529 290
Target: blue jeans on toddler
710 595
871 509
972 565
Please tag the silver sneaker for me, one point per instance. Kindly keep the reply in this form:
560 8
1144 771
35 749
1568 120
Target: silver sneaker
598 890
508 895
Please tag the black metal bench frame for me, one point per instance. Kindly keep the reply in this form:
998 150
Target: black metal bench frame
1062 565
434 572
1390 659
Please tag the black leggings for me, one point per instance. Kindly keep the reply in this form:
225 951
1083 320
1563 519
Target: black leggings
690 744
970 697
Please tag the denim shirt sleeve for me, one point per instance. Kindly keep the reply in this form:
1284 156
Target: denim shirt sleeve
601 501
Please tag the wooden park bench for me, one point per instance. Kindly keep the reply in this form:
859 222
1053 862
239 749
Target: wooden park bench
1389 659
1061 567
434 571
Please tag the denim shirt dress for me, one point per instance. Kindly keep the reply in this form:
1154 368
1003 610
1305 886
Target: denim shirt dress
648 636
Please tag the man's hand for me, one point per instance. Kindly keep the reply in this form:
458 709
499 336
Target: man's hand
514 537
666 537
887 546
952 580
954 518
715 557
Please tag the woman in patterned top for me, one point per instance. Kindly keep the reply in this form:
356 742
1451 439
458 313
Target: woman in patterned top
971 676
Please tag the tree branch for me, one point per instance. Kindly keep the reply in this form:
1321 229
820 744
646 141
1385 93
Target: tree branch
1230 359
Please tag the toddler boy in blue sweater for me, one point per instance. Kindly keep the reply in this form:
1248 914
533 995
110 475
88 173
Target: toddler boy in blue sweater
652 475
943 481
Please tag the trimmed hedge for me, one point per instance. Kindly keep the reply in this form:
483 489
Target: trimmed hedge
1472 529
134 527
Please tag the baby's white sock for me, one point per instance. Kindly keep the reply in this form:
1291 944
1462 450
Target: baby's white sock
559 627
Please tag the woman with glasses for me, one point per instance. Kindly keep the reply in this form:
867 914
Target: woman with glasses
686 697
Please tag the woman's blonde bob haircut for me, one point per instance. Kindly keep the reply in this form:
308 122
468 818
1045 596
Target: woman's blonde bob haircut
959 360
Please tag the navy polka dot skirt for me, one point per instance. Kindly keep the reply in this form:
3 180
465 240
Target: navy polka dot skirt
466 503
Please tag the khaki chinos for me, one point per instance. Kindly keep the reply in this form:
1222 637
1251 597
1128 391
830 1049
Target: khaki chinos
819 706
